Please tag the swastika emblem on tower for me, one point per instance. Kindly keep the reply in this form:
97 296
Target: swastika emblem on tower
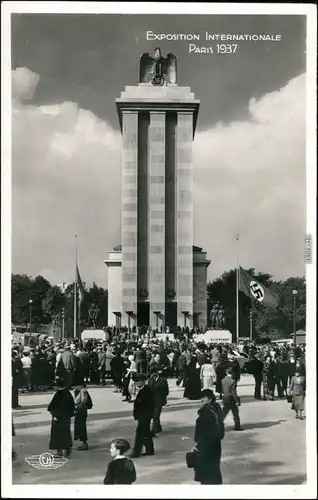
257 291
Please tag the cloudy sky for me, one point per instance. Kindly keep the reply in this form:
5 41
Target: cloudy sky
249 149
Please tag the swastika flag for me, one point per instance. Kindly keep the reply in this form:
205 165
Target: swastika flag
80 286
255 290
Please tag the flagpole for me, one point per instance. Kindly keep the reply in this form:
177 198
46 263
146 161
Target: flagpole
75 291
237 290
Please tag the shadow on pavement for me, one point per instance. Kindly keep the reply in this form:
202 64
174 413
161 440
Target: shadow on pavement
23 413
263 425
112 415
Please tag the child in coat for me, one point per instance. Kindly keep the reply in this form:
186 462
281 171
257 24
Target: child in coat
83 403
120 470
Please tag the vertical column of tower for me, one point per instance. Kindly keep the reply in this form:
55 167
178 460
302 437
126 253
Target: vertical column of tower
129 216
184 216
156 217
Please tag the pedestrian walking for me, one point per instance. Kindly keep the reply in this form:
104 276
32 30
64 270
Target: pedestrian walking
297 390
231 400
209 432
159 385
143 413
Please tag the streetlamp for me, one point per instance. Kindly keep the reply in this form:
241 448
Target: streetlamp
30 304
295 295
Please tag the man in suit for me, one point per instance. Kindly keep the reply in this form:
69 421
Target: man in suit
159 385
141 360
102 365
231 401
68 364
15 374
255 367
155 363
277 368
143 413
215 357
181 366
235 365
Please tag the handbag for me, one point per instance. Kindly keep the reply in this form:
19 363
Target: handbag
191 459
289 398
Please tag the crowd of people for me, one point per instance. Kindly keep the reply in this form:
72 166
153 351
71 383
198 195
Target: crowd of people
139 369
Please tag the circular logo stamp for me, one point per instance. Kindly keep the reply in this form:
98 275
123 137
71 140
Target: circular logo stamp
46 460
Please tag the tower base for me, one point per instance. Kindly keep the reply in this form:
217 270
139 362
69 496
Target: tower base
168 316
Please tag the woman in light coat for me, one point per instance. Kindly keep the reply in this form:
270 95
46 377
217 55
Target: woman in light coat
132 388
297 390
207 374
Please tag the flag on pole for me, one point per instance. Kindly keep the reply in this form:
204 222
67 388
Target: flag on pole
80 286
255 290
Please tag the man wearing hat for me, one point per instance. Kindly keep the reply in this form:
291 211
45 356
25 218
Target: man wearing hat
155 363
143 413
67 365
159 385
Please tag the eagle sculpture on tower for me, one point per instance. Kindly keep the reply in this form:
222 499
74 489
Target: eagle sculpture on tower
157 69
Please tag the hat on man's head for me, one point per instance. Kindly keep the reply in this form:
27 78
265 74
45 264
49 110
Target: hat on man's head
140 377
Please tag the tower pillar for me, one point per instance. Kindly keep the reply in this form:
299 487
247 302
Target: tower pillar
129 216
156 218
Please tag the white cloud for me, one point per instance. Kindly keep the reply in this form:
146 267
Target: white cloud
24 82
249 178
66 179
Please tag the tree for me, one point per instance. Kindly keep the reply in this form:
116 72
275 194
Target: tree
279 323
223 290
266 321
21 286
53 302
39 289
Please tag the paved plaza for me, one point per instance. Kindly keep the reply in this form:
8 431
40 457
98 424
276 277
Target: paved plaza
271 450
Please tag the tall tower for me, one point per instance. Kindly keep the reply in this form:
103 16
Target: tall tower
154 264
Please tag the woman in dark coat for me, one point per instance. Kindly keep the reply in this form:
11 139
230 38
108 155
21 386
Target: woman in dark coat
209 432
62 409
192 388
118 369
94 372
126 381
78 378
